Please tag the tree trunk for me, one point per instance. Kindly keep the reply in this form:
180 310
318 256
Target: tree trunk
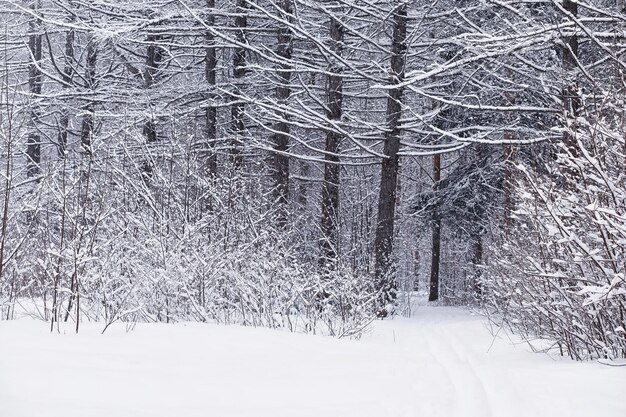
435 259
332 169
383 244
570 96
211 78
239 72
68 72
509 163
87 128
477 258
154 57
507 183
281 138
35 81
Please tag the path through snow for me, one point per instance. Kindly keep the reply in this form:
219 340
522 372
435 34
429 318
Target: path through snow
438 363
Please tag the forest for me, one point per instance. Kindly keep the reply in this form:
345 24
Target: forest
313 165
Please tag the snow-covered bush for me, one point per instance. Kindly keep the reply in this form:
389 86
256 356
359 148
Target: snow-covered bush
561 273
257 283
106 241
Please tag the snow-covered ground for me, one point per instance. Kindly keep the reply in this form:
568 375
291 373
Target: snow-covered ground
442 362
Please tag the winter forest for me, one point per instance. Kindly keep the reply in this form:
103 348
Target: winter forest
314 166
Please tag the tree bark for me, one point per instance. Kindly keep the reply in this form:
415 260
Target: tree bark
384 269
211 78
35 81
239 72
507 183
509 163
570 97
477 258
281 138
87 128
154 57
435 259
332 169
303 196
68 72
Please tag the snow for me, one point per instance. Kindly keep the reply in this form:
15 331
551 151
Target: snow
441 362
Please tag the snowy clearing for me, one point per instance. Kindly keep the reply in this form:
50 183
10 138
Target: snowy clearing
438 363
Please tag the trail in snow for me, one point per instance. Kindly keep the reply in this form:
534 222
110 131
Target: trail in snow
438 363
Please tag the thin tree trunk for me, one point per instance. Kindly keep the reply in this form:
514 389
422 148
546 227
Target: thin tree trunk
35 81
211 78
570 96
8 174
239 72
281 138
383 244
477 258
87 128
73 292
509 163
435 259
154 57
479 229
303 186
507 184
86 136
332 169
68 72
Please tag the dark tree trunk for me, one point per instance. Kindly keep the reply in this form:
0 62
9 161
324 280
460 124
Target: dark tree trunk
281 138
68 73
211 78
239 72
477 258
35 81
435 259
570 97
303 187
383 244
154 58
507 183
509 163
332 169
87 128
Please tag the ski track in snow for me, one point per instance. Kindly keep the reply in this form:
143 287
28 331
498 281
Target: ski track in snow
438 363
